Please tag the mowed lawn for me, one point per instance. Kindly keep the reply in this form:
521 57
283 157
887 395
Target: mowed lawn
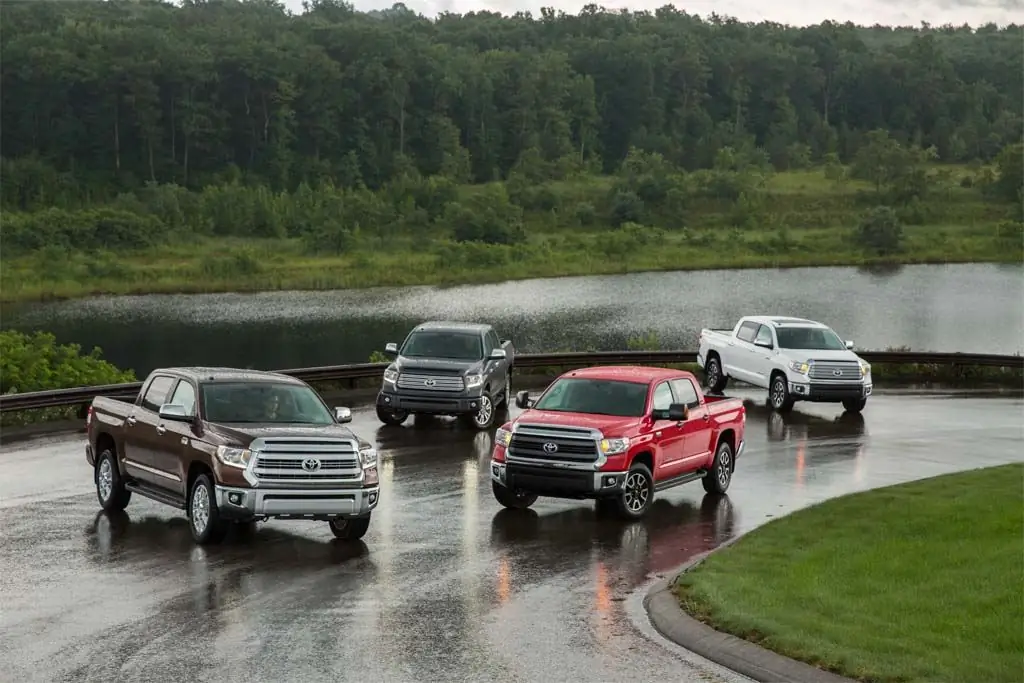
917 582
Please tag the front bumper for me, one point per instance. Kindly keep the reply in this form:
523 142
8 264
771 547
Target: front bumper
432 404
246 503
557 482
829 392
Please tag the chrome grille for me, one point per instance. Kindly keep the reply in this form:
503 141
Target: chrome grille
835 371
570 445
280 460
422 382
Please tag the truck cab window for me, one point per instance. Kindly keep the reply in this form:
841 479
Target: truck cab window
185 396
747 331
661 400
156 394
764 335
685 393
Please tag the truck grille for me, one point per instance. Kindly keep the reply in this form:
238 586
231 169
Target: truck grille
289 460
554 444
835 371
421 382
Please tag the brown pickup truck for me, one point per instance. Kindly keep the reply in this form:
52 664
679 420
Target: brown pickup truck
228 445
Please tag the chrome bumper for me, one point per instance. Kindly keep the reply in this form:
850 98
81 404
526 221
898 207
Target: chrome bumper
296 503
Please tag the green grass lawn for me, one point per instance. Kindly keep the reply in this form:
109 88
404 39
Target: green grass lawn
918 582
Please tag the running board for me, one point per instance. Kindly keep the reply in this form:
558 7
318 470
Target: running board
681 479
153 493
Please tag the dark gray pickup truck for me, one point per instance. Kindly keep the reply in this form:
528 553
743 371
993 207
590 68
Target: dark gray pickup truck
448 368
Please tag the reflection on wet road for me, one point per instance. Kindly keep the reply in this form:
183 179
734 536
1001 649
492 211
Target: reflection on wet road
446 585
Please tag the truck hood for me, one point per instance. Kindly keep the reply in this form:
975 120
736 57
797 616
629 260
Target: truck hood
241 434
610 425
445 365
812 354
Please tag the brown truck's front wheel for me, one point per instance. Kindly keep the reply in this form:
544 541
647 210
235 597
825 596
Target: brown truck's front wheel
350 528
114 497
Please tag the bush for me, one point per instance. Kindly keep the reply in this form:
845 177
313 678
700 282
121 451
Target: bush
880 231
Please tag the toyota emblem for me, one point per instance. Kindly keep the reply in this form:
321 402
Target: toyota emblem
550 447
429 382
837 373
311 464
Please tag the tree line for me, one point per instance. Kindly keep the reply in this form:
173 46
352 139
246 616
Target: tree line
104 98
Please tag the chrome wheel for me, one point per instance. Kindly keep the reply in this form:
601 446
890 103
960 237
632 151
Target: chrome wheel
105 479
483 416
724 467
636 492
778 393
200 508
712 370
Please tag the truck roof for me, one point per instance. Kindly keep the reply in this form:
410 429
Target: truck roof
214 374
782 320
452 326
640 374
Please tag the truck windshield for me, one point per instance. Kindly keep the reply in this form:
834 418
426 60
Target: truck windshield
595 396
440 344
263 403
809 338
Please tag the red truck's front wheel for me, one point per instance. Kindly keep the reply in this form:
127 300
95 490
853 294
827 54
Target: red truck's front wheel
515 500
637 492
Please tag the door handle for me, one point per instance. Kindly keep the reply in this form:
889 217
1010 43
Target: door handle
130 420
160 429
706 417
679 424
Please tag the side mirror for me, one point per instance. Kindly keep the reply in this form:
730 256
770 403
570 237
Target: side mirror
678 412
849 344
764 345
342 415
523 399
497 354
174 412
391 348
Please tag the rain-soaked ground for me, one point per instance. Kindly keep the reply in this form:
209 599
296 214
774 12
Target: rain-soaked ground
446 585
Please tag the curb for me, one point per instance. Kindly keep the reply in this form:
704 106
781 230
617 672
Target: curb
729 651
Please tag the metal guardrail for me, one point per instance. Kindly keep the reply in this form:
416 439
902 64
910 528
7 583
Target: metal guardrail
79 396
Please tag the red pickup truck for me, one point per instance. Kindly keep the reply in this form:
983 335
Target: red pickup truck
617 435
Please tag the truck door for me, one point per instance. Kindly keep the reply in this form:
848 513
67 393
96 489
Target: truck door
142 443
738 356
668 434
697 430
174 436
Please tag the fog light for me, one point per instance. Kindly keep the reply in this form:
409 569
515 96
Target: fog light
373 498
494 470
472 404
609 481
387 399
235 498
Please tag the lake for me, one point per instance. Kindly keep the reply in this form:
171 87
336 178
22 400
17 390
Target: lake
970 307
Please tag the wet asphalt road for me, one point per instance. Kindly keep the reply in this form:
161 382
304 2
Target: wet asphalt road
446 585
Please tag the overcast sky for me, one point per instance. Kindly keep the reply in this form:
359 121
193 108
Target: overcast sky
797 12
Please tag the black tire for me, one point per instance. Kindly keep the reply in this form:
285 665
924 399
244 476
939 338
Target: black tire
637 493
204 518
513 500
484 417
350 528
854 405
390 417
110 490
714 378
778 394
719 477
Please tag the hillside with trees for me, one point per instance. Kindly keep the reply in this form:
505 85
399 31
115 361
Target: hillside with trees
133 125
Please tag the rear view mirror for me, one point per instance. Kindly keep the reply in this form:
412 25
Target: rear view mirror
497 354
678 412
849 344
174 412
523 399
342 415
391 348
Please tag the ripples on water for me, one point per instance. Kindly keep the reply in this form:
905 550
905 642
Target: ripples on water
972 307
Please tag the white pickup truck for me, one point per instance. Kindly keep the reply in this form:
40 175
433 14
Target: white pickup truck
794 359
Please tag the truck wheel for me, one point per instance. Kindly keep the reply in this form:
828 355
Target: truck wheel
719 477
778 395
484 417
714 377
351 528
114 497
514 500
390 417
854 406
637 493
203 514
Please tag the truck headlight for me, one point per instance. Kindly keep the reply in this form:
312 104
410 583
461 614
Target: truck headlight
502 437
865 369
368 456
799 368
473 381
235 457
391 374
614 446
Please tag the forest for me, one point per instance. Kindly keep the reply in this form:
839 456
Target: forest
133 131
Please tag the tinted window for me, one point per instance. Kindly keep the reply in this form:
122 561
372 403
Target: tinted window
816 338
185 395
662 398
764 335
747 331
492 341
263 403
685 393
156 394
595 396
438 344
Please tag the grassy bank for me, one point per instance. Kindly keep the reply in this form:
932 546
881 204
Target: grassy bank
917 582
790 219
